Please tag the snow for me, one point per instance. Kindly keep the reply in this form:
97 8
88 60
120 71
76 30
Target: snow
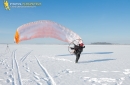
53 65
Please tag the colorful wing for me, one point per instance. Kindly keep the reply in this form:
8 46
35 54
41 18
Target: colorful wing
44 28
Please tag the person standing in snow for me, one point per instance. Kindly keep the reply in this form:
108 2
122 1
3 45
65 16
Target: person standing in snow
77 51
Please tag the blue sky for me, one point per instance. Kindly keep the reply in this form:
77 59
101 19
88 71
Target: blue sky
93 20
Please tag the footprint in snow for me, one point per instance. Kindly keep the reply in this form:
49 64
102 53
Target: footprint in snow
6 73
7 66
27 67
46 79
39 83
11 76
68 71
10 69
36 77
8 80
35 73
27 70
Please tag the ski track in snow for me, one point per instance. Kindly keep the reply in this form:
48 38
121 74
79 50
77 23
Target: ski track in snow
16 72
12 75
46 72
25 56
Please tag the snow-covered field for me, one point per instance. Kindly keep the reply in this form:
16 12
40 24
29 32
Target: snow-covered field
53 65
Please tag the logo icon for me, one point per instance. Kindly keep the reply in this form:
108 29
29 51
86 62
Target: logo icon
6 5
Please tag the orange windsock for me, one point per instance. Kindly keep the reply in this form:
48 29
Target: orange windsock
16 37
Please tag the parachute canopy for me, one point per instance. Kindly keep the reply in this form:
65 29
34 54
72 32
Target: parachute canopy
42 29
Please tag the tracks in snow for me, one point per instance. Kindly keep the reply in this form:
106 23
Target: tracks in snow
25 56
16 72
19 64
46 73
17 80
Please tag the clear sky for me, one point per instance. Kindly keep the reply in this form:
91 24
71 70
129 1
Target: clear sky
93 20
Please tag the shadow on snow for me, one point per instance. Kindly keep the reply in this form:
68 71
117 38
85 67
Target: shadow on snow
98 60
99 53
88 53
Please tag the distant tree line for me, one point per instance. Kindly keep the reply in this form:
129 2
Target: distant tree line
101 43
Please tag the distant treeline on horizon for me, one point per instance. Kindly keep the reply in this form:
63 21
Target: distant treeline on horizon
101 43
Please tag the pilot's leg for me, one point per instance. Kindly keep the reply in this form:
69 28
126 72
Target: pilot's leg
77 57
